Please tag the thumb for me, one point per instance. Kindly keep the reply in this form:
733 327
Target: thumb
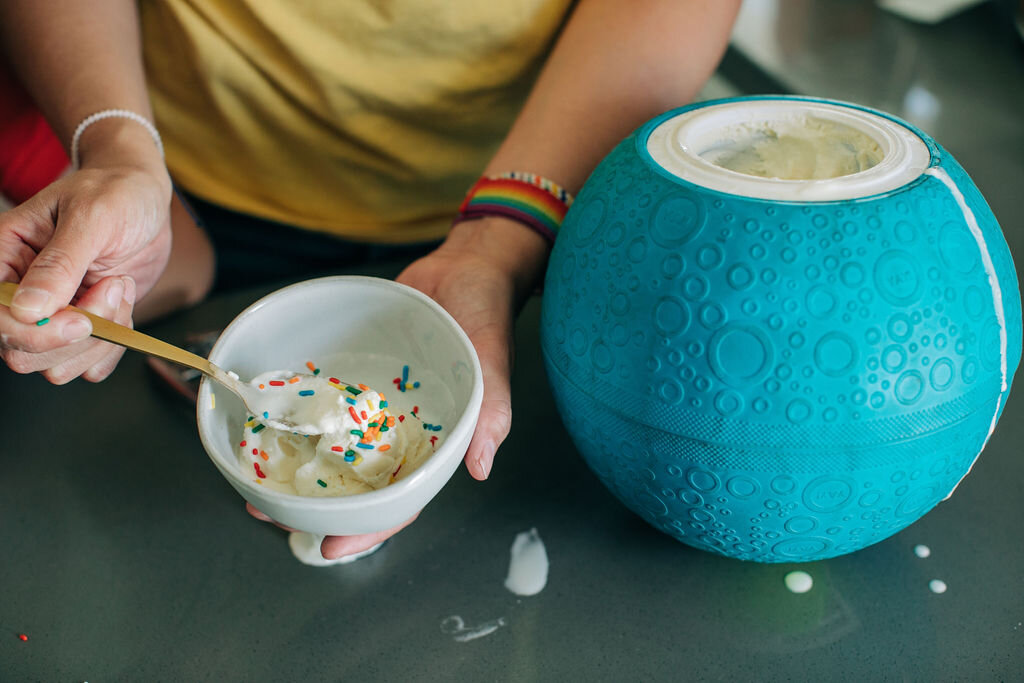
56 273
495 420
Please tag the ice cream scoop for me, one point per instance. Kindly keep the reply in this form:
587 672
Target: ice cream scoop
294 413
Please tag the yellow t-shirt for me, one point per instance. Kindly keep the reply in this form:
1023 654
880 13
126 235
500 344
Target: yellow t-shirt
368 119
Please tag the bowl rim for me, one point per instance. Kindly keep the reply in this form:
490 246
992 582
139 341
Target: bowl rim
466 422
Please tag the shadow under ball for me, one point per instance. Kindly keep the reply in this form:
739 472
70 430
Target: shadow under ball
779 370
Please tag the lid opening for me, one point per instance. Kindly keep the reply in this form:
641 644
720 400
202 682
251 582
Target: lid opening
788 150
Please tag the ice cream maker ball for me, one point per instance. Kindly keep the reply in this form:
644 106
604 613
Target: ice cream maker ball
779 370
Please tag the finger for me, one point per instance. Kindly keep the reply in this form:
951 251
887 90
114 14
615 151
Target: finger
44 335
102 368
334 547
57 271
15 256
264 518
104 300
24 363
19 228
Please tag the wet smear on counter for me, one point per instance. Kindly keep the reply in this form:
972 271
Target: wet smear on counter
456 627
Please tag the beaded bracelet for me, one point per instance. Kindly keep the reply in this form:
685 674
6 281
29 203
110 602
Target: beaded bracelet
112 114
530 199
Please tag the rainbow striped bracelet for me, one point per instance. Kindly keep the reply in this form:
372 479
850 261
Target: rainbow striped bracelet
530 199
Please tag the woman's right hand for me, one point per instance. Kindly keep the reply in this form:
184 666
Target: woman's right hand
99 236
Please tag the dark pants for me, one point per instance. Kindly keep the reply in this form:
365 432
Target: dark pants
252 251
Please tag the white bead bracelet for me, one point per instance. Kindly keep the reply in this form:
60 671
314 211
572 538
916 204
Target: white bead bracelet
111 114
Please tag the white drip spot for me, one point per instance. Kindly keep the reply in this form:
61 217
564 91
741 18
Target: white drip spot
799 582
528 564
922 551
937 586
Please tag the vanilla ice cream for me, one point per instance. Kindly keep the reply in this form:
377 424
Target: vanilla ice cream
798 148
347 439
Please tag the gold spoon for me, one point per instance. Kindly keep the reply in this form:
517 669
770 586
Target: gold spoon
137 341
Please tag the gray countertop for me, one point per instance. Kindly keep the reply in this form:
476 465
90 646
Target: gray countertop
124 555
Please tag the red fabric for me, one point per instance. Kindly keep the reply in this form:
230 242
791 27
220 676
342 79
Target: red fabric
31 156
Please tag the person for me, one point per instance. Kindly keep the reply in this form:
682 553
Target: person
365 121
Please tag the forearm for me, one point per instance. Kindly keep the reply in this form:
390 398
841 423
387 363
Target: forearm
76 58
615 65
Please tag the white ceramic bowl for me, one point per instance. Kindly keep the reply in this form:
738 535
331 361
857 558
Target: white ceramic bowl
323 318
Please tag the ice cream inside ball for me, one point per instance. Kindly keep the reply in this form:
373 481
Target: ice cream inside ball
798 148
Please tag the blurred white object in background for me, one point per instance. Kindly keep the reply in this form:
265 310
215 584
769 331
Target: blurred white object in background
927 11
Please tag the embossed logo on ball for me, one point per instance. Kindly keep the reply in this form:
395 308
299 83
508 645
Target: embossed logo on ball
780 328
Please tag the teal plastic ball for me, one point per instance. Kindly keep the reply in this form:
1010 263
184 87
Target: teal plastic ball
779 380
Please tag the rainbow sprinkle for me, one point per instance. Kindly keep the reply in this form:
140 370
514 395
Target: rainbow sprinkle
403 382
40 323
350 401
322 483
258 428
307 392
363 445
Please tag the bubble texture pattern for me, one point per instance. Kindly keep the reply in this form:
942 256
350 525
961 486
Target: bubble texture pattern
776 381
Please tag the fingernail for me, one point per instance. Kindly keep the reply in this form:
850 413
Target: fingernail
76 330
115 292
486 459
30 299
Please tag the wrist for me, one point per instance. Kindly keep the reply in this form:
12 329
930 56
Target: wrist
120 142
509 246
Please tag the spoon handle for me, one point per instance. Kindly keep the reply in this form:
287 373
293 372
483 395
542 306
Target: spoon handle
129 338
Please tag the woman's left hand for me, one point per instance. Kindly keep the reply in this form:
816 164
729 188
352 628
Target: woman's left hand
481 274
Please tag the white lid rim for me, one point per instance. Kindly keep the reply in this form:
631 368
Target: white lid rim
663 143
